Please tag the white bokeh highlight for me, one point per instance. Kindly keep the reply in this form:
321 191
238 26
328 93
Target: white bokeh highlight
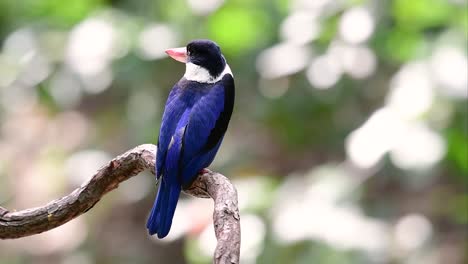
449 66
204 7
366 145
419 148
282 59
356 25
412 231
313 209
300 27
324 72
91 46
155 39
359 61
411 90
82 165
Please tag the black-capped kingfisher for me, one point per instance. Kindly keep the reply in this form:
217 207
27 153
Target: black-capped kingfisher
195 118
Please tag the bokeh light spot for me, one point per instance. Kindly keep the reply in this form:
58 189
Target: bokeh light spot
356 25
155 39
281 60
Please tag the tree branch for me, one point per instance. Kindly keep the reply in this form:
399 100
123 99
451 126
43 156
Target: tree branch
57 212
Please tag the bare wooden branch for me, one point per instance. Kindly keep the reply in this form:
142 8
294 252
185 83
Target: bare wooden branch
226 214
57 212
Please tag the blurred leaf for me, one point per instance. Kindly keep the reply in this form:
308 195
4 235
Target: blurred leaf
299 121
460 19
303 252
350 3
177 10
264 188
283 6
420 14
330 27
67 12
192 252
46 98
457 207
238 29
399 45
458 150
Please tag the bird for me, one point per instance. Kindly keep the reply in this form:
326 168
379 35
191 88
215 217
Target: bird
195 119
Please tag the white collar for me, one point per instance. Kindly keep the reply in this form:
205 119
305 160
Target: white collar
199 74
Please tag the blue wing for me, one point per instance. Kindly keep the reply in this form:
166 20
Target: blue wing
173 111
208 121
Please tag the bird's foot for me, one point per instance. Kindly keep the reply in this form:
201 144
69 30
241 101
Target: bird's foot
203 171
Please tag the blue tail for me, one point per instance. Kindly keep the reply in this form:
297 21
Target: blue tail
160 219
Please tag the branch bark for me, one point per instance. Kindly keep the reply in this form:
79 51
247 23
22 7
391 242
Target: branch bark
57 212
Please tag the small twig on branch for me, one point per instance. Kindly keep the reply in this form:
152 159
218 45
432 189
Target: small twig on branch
209 184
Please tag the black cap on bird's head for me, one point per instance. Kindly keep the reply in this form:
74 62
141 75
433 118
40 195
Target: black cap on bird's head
201 52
